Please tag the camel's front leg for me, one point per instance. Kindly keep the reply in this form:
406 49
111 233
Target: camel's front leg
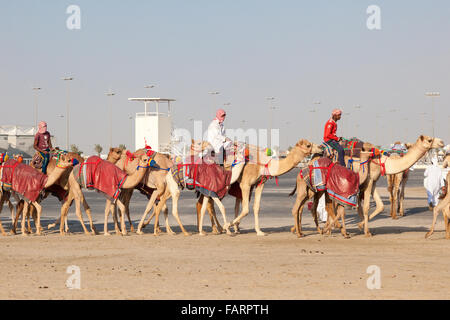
19 212
121 208
219 204
175 194
38 208
237 206
401 198
202 214
147 210
245 206
24 213
63 216
107 211
87 209
300 200
256 206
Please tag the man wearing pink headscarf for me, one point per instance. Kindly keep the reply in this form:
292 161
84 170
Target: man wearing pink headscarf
43 144
216 135
329 135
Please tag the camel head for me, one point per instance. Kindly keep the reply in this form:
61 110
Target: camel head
307 147
428 143
65 161
367 146
198 146
115 153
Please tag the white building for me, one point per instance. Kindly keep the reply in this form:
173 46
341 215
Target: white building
18 139
153 126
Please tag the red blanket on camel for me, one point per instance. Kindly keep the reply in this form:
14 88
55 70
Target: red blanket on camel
23 179
104 176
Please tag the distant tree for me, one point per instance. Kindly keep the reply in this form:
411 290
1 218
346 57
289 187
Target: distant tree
98 148
122 147
75 149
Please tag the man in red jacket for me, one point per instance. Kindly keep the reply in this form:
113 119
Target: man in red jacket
330 137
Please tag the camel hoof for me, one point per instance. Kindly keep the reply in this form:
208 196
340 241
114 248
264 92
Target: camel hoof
394 218
368 235
187 234
428 234
346 236
202 234
300 235
131 229
261 234
107 234
12 232
139 232
51 226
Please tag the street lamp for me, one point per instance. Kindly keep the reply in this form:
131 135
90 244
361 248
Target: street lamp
109 94
67 112
36 90
432 95
357 107
131 126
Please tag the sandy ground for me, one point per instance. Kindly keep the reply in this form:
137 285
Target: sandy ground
277 266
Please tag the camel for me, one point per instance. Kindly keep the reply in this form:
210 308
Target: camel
75 191
164 186
443 205
63 163
396 188
140 165
254 176
304 193
383 164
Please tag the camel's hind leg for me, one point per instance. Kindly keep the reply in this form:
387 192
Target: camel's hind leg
19 212
297 209
202 214
147 210
401 197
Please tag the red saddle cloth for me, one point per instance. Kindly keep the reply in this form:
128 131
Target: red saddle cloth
209 176
23 179
338 179
104 176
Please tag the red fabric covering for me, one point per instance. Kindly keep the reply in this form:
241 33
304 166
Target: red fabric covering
209 176
339 179
24 179
104 176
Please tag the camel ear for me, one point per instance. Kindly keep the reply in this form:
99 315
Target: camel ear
408 145
192 141
422 137
111 149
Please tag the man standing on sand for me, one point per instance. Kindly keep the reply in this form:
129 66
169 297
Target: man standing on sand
43 144
330 138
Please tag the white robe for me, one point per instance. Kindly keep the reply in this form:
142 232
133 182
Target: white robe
216 135
433 182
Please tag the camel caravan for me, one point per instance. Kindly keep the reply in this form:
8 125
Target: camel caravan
240 171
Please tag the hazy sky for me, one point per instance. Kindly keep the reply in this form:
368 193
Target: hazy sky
296 51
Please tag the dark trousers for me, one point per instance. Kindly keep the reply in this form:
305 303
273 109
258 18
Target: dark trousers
336 146
46 157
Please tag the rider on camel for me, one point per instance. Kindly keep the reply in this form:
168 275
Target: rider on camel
330 138
43 144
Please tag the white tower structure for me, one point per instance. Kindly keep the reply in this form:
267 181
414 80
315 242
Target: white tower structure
155 127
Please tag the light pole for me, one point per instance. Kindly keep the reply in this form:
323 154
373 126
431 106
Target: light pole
36 90
67 112
432 95
345 126
271 108
377 128
315 103
287 123
312 124
109 94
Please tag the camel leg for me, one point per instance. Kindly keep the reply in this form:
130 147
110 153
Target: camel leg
107 211
256 206
300 200
147 210
401 198
219 204
87 209
19 212
113 209
441 205
394 198
446 212
215 225
202 214
237 205
245 206
24 212
63 217
38 208
343 229
166 217
79 214
379 204
121 208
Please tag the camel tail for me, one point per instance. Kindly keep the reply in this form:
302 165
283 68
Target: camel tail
293 191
